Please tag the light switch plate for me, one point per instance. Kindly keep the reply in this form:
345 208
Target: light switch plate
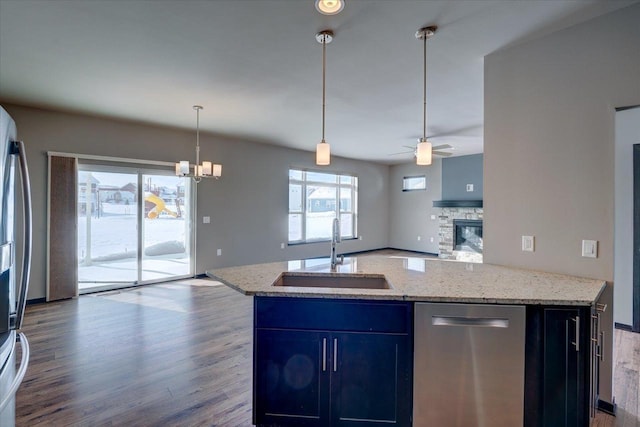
219 252
469 188
590 248
433 217
206 219
528 243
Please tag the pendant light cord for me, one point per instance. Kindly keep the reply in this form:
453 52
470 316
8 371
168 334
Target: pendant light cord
324 56
197 136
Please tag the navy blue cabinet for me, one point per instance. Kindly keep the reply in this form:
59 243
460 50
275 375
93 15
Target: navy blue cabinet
558 367
288 382
371 380
332 362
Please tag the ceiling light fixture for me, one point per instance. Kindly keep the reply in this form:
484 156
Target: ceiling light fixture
329 7
204 170
323 150
423 149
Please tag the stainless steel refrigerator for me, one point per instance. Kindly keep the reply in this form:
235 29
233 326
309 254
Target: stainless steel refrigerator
13 287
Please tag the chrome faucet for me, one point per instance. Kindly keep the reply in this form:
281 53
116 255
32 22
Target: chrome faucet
335 238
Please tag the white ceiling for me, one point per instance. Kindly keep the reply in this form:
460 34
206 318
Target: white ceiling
256 66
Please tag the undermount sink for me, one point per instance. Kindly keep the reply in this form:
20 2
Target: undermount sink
332 281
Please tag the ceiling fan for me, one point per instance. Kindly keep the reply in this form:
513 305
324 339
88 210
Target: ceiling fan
436 150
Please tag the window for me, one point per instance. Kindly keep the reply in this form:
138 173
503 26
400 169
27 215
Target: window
412 183
315 199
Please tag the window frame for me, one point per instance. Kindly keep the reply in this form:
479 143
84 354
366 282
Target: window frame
405 179
338 185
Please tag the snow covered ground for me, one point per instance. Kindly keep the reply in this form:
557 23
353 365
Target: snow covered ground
114 242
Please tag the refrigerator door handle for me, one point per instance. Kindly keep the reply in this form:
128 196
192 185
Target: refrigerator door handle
24 363
18 148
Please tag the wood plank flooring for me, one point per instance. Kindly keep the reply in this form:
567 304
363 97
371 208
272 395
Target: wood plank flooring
161 355
177 354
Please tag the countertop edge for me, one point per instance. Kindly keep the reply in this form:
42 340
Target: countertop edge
231 285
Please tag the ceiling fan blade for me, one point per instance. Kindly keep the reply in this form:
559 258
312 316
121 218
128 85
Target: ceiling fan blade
402 152
441 147
441 153
463 131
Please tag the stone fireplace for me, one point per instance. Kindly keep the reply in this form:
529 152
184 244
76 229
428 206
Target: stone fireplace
466 243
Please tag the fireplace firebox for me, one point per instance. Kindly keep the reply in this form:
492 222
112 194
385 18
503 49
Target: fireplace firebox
467 235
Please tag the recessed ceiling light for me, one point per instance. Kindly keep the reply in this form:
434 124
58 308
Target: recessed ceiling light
329 7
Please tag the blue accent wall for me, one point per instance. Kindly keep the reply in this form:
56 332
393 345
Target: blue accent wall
457 172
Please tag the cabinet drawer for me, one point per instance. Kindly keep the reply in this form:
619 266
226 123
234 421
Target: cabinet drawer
335 315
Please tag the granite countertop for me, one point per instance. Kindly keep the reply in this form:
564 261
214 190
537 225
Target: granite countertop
418 279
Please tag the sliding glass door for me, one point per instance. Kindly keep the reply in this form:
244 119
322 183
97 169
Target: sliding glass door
133 227
165 228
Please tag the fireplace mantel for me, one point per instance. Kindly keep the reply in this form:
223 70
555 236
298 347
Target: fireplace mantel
457 203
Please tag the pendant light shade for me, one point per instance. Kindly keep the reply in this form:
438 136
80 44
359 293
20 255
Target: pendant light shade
424 151
323 150
323 154
204 170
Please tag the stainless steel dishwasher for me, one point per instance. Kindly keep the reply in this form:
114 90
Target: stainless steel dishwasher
468 365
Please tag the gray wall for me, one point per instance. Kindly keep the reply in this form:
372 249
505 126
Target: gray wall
248 205
411 213
627 134
457 172
549 147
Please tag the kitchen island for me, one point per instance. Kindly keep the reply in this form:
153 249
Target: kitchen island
329 354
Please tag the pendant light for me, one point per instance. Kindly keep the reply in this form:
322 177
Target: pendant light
424 149
204 170
323 150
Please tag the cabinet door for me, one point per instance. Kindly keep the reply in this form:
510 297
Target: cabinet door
370 379
565 348
290 386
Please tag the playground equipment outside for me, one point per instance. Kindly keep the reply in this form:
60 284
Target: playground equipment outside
159 206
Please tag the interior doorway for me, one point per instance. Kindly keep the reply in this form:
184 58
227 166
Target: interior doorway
134 227
636 237
627 219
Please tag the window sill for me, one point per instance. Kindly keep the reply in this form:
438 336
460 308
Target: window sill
310 242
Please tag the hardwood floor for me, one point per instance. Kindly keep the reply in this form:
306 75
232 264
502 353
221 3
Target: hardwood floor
161 355
176 354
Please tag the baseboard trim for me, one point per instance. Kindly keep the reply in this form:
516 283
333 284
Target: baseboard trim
607 407
36 301
623 326
414 252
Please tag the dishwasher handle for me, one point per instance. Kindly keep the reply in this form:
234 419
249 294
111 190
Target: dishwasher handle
481 322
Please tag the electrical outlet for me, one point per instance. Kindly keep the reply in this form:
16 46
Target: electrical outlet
281 245
431 239
419 238
433 217
590 248
528 243
219 252
206 219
